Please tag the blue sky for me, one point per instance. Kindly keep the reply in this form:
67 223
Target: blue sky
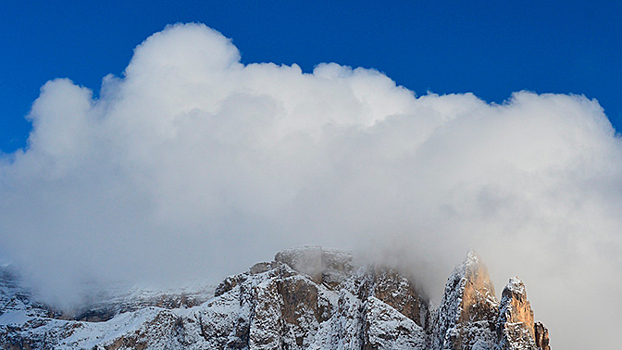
490 48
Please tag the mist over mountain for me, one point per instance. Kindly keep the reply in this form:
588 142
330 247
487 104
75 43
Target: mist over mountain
193 166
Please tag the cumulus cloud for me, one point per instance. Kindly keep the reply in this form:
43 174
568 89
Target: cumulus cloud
193 165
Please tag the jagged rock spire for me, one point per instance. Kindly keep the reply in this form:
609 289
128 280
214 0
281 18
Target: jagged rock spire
515 308
478 297
542 336
469 308
516 328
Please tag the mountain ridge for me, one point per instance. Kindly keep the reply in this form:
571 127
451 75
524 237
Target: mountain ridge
306 298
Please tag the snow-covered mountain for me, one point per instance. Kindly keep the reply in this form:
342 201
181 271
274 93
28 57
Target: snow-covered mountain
307 298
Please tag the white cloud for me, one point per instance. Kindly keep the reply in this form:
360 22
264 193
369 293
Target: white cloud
194 165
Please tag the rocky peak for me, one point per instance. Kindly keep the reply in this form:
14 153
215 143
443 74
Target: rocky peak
542 336
516 328
478 294
311 297
515 308
469 308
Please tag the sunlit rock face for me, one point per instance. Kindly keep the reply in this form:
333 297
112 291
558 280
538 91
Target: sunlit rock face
469 309
470 317
516 326
306 298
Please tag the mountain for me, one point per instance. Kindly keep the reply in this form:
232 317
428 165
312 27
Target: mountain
306 298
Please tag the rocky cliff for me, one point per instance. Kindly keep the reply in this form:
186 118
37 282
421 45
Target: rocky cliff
306 298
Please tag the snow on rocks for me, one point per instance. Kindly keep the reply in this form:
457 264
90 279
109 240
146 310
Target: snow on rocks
307 298
468 310
387 328
516 327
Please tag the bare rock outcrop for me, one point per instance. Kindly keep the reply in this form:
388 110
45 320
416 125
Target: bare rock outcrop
323 266
542 336
516 327
470 317
466 317
397 291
